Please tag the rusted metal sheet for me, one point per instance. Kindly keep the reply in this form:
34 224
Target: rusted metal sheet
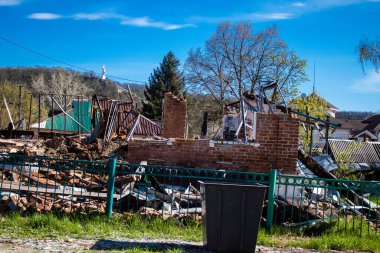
122 119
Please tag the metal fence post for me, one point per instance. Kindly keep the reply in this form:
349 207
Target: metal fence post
270 207
110 186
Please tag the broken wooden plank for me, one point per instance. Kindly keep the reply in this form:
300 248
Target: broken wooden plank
9 142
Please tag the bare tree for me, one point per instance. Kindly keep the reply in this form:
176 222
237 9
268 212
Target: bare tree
59 82
369 52
235 43
267 55
236 59
207 74
38 83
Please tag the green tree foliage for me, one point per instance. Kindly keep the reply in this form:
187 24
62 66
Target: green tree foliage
312 105
11 93
166 78
345 158
369 52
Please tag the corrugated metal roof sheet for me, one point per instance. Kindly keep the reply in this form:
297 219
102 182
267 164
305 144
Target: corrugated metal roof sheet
127 117
355 152
376 146
123 106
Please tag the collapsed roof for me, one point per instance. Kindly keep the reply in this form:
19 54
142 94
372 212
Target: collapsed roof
110 119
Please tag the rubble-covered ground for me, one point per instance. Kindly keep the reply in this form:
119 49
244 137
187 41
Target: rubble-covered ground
61 147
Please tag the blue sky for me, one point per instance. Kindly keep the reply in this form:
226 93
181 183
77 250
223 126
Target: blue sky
131 37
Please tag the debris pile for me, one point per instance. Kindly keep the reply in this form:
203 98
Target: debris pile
120 120
316 206
58 147
33 188
48 186
152 199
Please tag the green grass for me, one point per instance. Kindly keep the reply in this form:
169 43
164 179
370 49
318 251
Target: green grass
328 240
50 226
375 199
95 227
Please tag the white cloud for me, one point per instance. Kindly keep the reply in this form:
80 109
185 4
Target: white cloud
270 16
44 16
175 27
9 2
286 10
143 22
254 16
315 5
147 22
124 20
299 4
96 16
369 84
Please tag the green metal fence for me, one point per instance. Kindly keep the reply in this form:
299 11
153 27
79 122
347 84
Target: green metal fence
349 205
46 184
61 185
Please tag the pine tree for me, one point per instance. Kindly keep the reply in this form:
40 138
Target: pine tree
166 78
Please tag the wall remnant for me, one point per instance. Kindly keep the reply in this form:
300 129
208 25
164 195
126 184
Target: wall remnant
276 147
175 113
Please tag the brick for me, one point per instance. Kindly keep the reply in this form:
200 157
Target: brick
276 134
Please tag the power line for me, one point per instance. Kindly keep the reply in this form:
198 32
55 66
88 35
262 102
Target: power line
62 62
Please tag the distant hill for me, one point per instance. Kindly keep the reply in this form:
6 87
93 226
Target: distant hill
353 115
56 80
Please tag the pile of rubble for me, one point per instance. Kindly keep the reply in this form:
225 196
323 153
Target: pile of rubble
147 196
58 147
30 188
13 202
321 210
33 187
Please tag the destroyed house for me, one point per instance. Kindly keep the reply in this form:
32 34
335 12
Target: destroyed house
274 143
119 119
102 118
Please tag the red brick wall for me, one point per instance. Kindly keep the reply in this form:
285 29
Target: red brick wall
174 116
277 136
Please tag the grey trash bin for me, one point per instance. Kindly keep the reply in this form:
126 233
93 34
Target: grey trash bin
231 215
